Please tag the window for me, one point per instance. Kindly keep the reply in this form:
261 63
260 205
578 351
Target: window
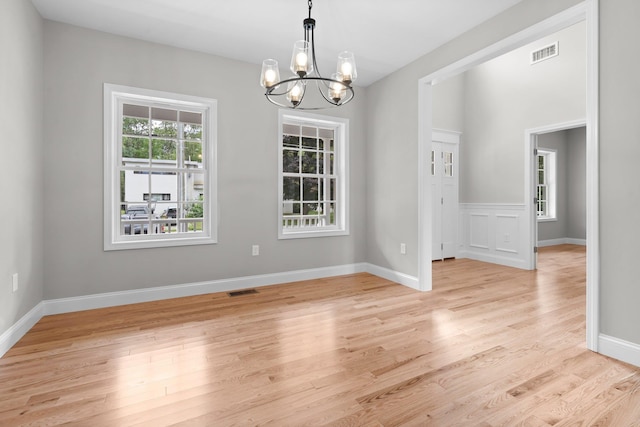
546 184
159 167
313 175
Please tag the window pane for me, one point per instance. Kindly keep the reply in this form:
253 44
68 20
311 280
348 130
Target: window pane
332 214
309 159
192 132
291 130
165 184
195 210
448 170
320 163
331 164
135 184
191 185
325 133
309 131
164 114
191 118
164 128
164 149
197 184
310 189
332 190
139 111
290 161
290 141
309 143
310 208
448 157
540 177
542 208
135 126
135 148
192 154
291 188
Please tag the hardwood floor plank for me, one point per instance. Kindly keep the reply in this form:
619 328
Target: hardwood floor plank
489 346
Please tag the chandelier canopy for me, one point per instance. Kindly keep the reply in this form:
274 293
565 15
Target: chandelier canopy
290 93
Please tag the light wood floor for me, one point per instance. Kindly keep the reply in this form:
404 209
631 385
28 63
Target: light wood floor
489 346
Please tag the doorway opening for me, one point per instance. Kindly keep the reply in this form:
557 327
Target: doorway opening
586 11
554 205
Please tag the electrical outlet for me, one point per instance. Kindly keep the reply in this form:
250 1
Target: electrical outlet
403 248
14 281
255 250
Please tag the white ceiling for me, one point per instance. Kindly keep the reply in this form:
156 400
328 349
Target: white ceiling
384 35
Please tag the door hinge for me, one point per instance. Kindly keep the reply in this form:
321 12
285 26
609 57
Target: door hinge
441 246
535 200
535 151
442 200
535 249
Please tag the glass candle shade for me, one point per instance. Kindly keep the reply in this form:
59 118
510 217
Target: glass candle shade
270 73
295 92
337 90
301 63
347 67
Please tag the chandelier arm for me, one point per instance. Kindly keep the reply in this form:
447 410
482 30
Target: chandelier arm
326 98
313 53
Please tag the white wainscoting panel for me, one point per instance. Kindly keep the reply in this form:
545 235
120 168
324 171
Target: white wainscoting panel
479 230
494 233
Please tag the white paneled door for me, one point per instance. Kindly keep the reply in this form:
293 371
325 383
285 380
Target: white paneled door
444 190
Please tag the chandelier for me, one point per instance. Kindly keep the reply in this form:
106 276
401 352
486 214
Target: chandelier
290 93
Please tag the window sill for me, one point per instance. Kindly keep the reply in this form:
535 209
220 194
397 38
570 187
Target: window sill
547 219
306 234
158 243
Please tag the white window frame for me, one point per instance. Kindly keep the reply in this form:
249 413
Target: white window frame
340 127
550 172
114 97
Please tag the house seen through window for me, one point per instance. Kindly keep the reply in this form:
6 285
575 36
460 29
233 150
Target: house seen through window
159 167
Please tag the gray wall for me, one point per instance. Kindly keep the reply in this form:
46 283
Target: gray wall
571 146
507 95
577 183
77 63
619 172
449 98
21 163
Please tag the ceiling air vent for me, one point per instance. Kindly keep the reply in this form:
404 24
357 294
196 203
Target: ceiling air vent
544 53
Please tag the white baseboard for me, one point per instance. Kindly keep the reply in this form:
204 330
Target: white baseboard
616 348
112 299
494 259
394 276
12 335
562 241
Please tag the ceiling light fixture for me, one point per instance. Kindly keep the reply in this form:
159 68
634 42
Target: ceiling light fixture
290 93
